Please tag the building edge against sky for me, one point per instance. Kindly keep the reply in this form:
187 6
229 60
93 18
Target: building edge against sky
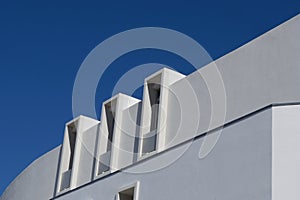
255 157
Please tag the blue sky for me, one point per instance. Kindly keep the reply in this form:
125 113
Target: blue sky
43 44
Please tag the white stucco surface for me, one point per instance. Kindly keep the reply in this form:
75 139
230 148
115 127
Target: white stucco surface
37 181
285 153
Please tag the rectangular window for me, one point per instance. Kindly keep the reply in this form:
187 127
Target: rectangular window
129 193
154 94
72 132
150 138
105 158
66 175
110 119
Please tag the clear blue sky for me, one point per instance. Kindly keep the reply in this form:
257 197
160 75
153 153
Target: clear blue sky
43 43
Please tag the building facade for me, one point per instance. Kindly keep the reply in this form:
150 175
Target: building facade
237 138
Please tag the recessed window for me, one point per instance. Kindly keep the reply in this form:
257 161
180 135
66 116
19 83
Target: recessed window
154 93
129 193
66 175
110 117
72 131
105 157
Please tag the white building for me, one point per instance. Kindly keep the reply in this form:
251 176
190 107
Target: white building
255 157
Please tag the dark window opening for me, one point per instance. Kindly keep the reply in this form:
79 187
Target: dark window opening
150 139
127 194
110 119
66 175
72 131
154 94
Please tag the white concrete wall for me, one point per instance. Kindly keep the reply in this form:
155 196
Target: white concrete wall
264 71
128 150
164 78
122 103
80 172
87 155
37 181
286 153
238 168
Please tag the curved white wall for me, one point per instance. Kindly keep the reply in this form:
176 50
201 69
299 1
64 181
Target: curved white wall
37 181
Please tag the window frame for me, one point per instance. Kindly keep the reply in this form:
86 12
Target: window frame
135 186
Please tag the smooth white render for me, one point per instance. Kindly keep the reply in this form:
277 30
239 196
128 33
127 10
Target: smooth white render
83 156
285 152
256 157
117 159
